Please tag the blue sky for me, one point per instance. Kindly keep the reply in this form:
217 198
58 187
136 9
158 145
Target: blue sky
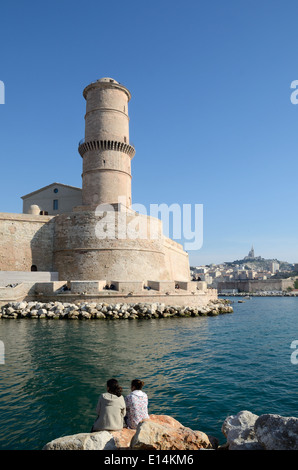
210 115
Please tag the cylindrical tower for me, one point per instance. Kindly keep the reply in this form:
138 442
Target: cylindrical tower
129 249
106 150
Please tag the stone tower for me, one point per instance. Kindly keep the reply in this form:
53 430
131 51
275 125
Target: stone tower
251 254
106 150
81 250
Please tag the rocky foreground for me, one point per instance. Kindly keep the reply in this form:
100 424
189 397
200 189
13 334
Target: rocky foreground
92 310
244 431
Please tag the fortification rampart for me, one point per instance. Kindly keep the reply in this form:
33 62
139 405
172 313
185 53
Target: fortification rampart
252 286
26 240
193 294
167 292
91 248
127 250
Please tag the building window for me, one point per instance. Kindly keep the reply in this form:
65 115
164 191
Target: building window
33 267
55 204
56 190
124 139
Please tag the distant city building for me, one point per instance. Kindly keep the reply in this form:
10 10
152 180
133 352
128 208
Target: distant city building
251 255
261 276
215 273
242 275
274 267
207 278
250 271
201 269
250 274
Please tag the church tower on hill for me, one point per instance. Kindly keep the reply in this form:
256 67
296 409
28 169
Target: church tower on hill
251 254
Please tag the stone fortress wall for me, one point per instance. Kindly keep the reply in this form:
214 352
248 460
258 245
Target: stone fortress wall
253 286
26 240
90 257
141 266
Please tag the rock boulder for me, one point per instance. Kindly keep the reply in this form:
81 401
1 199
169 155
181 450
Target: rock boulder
247 431
122 439
275 432
165 433
102 440
240 433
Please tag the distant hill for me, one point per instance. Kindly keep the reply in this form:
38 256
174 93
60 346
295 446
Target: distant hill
259 264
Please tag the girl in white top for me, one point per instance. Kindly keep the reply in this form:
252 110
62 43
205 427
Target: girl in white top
136 405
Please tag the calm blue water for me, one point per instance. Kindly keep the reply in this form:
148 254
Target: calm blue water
198 370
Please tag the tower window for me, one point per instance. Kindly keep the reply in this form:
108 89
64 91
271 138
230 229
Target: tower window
55 204
125 139
56 190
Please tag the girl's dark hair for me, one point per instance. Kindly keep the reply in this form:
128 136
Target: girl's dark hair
137 384
114 387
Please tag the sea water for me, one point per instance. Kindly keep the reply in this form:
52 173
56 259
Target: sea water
198 370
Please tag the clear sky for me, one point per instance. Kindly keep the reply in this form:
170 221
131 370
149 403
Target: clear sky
210 116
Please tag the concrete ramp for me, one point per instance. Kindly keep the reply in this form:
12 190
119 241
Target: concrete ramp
17 277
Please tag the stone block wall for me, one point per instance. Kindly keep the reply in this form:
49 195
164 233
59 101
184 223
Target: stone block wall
162 286
253 286
176 260
48 288
129 286
81 287
80 254
26 240
17 293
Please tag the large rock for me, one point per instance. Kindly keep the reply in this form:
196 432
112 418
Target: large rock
102 440
240 433
159 432
276 432
123 438
166 433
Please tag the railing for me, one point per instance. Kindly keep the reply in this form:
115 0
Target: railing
105 145
82 141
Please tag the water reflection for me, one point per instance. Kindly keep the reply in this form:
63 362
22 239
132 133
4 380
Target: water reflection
199 370
55 370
